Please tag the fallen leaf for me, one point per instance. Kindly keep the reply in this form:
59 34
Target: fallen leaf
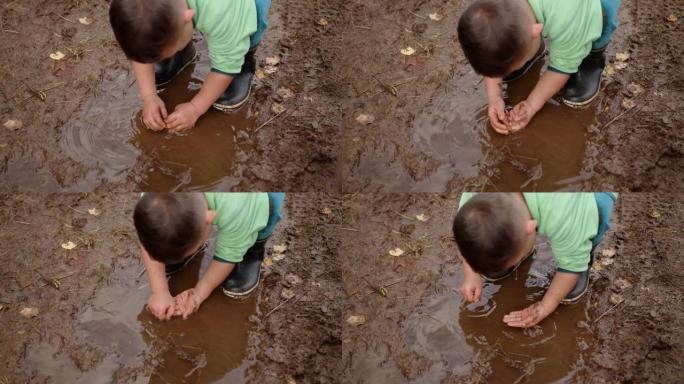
620 65
610 252
655 214
285 93
29 312
290 380
287 293
435 16
85 20
270 69
609 70
622 56
278 256
607 261
356 320
277 108
69 245
57 55
422 217
597 267
672 18
273 60
94 211
408 51
326 211
322 21
3 145
628 103
291 279
13 124
268 261
280 248
396 252
365 119
635 89
622 284
260 74
616 298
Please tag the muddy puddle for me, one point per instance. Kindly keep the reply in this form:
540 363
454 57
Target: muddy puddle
445 338
125 343
107 133
454 130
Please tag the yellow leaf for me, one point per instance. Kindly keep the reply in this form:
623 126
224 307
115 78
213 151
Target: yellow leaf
422 217
280 248
622 56
396 252
260 74
322 21
435 16
365 119
268 261
57 55
356 320
672 18
408 51
85 20
287 293
69 245
94 211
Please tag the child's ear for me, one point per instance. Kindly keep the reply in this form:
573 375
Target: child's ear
531 227
537 29
188 15
210 216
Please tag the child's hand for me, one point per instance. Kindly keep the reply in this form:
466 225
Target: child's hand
154 112
187 303
498 117
528 317
520 116
161 305
183 118
471 288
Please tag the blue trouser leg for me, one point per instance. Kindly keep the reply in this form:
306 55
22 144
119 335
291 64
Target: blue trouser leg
262 7
275 200
605 201
610 22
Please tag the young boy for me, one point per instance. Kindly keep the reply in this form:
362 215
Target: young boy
502 39
173 228
495 233
156 35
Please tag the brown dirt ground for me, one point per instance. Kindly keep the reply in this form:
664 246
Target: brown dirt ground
299 339
641 340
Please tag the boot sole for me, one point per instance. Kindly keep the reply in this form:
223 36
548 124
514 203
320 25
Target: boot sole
579 104
226 108
242 295
161 87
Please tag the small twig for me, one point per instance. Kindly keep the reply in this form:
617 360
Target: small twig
10 31
405 217
22 222
281 304
64 18
268 121
417 15
76 210
349 229
609 309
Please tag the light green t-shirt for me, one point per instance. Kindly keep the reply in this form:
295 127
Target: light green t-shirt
571 26
227 25
570 222
239 218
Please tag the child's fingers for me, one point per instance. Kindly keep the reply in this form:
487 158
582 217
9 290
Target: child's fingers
163 110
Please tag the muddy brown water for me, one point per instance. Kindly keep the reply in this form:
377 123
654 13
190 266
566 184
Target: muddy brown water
107 133
458 339
208 347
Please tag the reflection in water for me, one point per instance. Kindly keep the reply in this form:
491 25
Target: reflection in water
471 340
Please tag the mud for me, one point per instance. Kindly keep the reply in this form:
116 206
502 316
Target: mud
431 133
418 329
80 115
93 326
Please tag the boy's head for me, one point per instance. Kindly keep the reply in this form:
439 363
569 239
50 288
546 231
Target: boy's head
172 226
497 35
493 231
149 30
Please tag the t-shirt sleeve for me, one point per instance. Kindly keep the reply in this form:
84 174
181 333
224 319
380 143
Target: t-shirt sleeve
227 53
572 243
567 57
232 247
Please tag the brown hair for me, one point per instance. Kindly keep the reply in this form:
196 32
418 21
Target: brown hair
488 231
169 224
144 27
492 34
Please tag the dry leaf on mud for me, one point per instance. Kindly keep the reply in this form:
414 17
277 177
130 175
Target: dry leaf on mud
85 20
672 18
616 298
408 51
277 108
260 74
622 56
95 211
396 252
290 380
620 65
356 320
609 70
635 89
13 124
597 267
278 256
57 55
268 261
287 293
628 103
422 217
435 16
326 211
622 284
365 119
610 252
270 69
655 214
322 21
285 93
606 261
273 60
29 312
291 279
279 248
69 245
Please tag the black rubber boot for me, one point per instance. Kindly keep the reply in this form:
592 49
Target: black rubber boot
244 278
166 70
239 89
583 86
579 290
522 71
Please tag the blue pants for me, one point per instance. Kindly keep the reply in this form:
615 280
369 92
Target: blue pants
262 7
605 201
275 214
610 22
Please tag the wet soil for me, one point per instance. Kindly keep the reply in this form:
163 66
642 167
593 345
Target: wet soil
92 325
80 115
430 131
418 329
